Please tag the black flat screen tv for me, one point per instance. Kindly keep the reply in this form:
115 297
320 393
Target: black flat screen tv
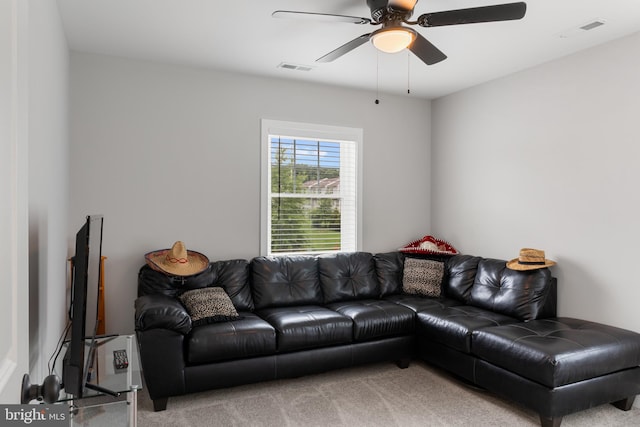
83 309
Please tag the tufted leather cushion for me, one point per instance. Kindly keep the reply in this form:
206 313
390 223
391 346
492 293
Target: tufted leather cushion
453 326
418 303
233 277
155 282
460 270
285 281
519 294
558 351
389 269
249 336
376 318
306 327
348 276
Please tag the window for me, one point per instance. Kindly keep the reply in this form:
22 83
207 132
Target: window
310 188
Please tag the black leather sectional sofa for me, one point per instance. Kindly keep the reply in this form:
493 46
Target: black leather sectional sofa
494 327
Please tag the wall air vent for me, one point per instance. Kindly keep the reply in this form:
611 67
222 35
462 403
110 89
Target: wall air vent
290 66
582 28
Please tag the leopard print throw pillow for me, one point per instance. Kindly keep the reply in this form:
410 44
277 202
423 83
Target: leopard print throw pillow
422 277
208 305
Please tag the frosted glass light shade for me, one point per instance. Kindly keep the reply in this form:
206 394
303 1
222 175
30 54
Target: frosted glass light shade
392 40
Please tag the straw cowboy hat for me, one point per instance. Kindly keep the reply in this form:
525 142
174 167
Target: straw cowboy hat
177 261
530 259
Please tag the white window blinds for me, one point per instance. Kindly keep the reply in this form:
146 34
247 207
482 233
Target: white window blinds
312 194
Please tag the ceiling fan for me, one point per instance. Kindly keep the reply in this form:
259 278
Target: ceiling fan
393 36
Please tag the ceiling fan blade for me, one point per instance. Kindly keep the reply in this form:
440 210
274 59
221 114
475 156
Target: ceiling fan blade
402 4
500 12
345 48
328 17
427 52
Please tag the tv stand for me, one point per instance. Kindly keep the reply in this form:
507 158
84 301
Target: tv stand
107 382
102 390
93 363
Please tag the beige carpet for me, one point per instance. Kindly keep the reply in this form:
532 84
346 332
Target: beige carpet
372 395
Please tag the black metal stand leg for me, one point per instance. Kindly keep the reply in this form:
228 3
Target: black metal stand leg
102 389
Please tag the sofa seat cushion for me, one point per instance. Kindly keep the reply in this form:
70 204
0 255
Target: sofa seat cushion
248 336
305 327
558 351
376 318
453 326
418 303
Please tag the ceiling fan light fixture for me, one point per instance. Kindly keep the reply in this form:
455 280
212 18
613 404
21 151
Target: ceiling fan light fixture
392 39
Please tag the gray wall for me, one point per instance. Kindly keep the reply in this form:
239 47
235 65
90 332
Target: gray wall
14 236
48 181
548 158
172 153
34 188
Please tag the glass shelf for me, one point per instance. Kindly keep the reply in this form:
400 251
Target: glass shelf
104 375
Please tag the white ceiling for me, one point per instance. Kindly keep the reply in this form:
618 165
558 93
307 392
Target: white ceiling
241 36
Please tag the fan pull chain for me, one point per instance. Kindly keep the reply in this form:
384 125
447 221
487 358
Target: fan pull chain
408 73
377 77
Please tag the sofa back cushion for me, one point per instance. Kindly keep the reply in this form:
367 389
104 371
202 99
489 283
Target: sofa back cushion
285 281
231 275
389 269
154 282
520 294
348 276
460 273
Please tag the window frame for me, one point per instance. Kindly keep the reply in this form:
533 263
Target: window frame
307 131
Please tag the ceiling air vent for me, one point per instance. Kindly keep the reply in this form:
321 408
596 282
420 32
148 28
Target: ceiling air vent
290 66
592 25
582 28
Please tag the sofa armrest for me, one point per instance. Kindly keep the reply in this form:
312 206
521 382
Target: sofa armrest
163 364
158 311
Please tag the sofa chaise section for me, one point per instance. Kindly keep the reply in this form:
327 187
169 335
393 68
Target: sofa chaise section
559 365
